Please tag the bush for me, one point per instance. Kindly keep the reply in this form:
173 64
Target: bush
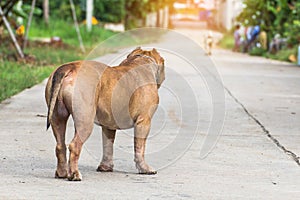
283 54
257 51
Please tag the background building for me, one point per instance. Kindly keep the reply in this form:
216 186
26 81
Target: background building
227 11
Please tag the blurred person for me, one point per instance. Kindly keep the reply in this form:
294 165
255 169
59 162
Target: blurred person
252 34
276 43
247 36
248 33
263 40
237 38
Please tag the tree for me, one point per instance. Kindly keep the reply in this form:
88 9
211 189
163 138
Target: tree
104 11
135 12
46 11
3 14
89 14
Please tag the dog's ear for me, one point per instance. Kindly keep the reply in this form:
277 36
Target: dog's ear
160 76
135 51
155 51
155 54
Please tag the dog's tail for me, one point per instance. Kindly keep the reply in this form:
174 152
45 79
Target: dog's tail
55 87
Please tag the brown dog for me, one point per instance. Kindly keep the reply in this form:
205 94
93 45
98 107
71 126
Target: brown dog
118 97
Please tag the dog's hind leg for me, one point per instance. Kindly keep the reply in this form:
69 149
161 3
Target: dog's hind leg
59 120
83 129
108 138
141 131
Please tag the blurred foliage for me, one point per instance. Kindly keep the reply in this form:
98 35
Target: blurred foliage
131 12
62 9
257 51
17 75
109 10
14 10
136 10
283 55
274 16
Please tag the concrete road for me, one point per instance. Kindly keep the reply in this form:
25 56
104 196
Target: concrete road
254 157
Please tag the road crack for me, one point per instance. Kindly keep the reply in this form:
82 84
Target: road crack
266 131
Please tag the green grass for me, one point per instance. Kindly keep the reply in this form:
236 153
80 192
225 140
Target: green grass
66 31
48 55
15 77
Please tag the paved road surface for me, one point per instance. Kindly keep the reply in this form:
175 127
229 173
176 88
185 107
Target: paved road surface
254 158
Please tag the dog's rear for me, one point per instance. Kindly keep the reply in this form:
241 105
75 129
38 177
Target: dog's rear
60 92
54 85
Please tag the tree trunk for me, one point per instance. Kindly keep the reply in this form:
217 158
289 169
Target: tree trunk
46 11
89 14
28 24
157 18
76 26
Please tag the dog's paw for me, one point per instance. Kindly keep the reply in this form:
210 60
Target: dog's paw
75 176
145 169
148 172
105 168
61 173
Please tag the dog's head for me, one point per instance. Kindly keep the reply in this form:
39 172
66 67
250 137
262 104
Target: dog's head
157 59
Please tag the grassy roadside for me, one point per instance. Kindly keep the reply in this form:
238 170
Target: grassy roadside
15 77
66 31
227 42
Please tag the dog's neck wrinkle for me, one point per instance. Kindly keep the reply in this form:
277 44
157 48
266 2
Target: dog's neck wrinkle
149 57
135 61
155 69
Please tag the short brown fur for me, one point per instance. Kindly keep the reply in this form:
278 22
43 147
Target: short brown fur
118 97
